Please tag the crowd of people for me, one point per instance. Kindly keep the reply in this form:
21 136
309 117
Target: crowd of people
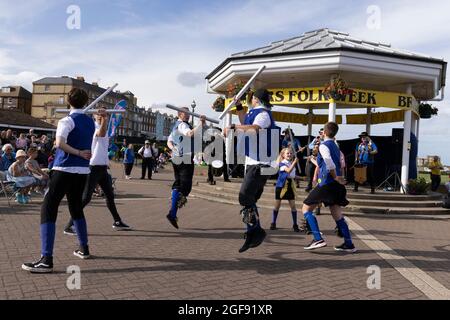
26 160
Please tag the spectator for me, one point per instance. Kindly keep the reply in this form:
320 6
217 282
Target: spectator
365 154
148 159
310 165
435 166
8 138
33 166
155 159
30 133
2 137
128 161
21 142
21 177
8 156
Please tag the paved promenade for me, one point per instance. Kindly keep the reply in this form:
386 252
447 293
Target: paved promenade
201 260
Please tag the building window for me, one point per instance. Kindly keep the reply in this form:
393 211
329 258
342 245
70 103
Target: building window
10 101
47 88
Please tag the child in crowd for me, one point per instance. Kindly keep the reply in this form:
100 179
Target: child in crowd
285 188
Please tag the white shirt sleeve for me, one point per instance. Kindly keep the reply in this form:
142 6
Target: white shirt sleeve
183 128
283 168
326 155
65 126
170 138
262 120
141 150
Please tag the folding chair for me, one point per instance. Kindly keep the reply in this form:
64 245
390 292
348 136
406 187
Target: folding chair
8 189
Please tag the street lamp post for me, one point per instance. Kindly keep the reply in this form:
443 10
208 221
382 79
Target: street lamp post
193 105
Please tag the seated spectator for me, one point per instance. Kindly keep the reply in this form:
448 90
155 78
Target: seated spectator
8 156
33 167
21 142
21 177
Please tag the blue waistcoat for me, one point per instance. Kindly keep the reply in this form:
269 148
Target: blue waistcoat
79 138
249 119
324 176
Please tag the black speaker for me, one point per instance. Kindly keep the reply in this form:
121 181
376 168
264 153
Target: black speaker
397 136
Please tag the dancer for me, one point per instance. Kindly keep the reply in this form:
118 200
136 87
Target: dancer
329 191
259 117
285 188
68 178
181 142
99 175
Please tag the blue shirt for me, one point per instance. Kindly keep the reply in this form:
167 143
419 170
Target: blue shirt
5 162
129 156
364 156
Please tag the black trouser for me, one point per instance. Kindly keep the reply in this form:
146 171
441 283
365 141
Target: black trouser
63 184
370 176
310 170
184 174
252 187
147 163
211 175
99 175
128 168
435 182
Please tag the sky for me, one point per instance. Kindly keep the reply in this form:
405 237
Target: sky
162 50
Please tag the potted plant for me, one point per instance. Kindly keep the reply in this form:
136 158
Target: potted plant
418 186
337 89
426 110
219 104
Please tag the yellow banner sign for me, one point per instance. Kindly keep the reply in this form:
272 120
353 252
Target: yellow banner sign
359 97
302 118
376 118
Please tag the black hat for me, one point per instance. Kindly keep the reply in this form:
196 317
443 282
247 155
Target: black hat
264 96
363 134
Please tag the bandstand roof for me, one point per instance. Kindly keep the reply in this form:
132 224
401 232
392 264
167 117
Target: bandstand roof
311 59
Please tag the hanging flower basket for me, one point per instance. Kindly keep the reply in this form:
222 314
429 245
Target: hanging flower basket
234 88
337 89
426 110
219 104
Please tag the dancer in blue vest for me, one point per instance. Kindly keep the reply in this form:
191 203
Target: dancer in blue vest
181 142
285 188
330 191
258 118
68 178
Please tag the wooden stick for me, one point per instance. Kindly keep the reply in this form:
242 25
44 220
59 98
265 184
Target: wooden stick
293 149
196 115
91 111
241 93
100 98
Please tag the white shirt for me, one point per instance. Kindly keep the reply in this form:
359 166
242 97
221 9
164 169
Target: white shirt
286 166
99 149
182 130
263 121
146 151
326 155
65 126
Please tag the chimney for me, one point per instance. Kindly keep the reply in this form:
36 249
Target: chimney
81 78
95 84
